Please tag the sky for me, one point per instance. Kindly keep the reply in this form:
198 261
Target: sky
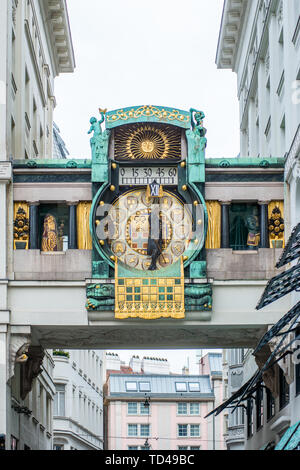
136 52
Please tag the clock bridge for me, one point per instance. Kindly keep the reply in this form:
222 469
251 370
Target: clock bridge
147 245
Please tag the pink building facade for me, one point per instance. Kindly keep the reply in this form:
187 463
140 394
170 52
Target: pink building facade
165 412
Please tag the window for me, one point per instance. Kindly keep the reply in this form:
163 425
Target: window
59 400
131 386
136 430
145 430
284 390
259 407
135 408
244 226
194 430
132 429
53 219
180 386
144 387
144 410
188 430
188 448
194 386
194 408
182 408
270 405
188 408
132 408
182 430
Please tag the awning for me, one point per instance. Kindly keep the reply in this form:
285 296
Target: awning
269 446
292 249
291 439
280 285
285 320
235 397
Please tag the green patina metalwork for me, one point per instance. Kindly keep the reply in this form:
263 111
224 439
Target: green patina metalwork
148 113
101 297
263 163
198 297
99 145
55 164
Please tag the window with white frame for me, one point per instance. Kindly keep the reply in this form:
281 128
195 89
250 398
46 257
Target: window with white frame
188 430
188 409
194 386
132 430
145 430
132 408
144 386
131 386
194 408
144 410
135 408
194 430
188 447
138 430
182 430
59 400
181 386
182 408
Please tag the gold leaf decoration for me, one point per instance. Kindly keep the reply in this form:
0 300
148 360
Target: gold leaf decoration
147 142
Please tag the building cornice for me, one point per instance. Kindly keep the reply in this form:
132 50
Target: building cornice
231 27
55 16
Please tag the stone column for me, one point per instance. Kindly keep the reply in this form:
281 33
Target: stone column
34 225
264 231
72 242
225 224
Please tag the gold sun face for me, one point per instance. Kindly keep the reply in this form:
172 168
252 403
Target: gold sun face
147 142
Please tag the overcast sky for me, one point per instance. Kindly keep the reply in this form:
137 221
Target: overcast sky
159 52
136 52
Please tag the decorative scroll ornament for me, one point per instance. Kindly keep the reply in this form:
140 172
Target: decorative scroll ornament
149 298
148 112
147 142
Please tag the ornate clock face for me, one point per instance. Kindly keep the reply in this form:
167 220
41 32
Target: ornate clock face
129 239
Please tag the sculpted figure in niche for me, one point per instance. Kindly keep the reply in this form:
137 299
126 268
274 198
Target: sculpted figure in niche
99 141
252 224
49 239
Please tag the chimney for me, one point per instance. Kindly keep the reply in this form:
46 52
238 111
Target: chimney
135 364
113 361
185 371
154 365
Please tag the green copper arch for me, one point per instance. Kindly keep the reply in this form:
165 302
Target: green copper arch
148 113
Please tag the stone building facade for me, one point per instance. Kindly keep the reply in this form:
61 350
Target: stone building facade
260 42
78 405
36 46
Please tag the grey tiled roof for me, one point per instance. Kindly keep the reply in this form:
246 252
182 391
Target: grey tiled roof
163 386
